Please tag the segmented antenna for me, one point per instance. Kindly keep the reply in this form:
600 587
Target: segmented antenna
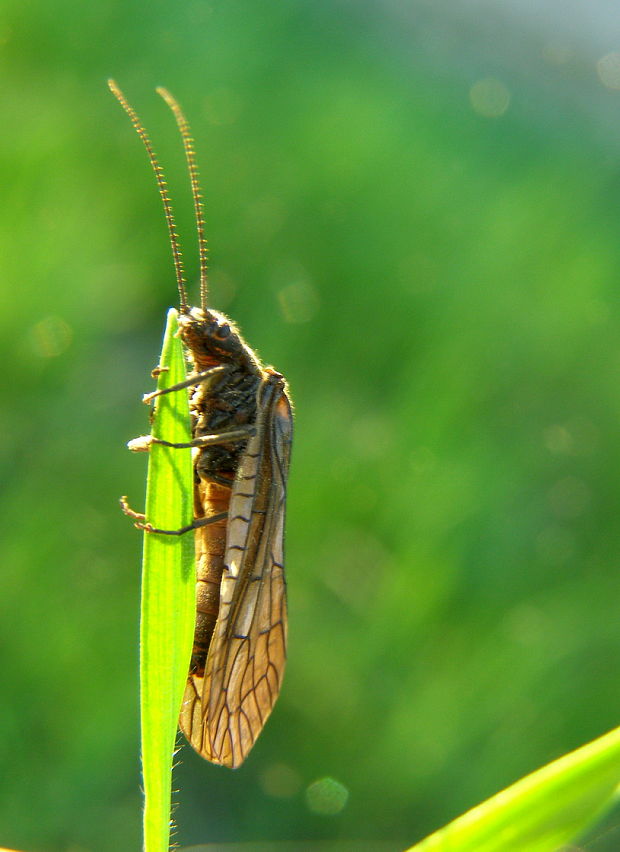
190 154
163 191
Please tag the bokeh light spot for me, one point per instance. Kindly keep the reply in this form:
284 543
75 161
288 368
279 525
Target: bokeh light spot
557 52
578 437
608 68
559 440
280 781
299 301
489 97
326 797
51 336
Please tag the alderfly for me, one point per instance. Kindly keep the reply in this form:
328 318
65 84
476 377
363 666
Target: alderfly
242 431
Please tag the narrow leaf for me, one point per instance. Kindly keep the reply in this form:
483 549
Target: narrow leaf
168 592
544 810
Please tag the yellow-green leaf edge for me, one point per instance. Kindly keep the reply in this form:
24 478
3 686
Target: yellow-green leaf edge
168 592
544 810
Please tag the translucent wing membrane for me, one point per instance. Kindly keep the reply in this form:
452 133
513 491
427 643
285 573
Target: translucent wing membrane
225 709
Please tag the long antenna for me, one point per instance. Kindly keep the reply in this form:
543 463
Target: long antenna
190 154
163 191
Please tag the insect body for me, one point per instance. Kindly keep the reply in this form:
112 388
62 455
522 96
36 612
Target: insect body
242 432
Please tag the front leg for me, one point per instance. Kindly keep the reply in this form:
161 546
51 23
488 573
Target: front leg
207 377
144 442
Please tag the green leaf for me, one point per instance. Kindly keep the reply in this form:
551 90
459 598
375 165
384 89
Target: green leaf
542 811
168 592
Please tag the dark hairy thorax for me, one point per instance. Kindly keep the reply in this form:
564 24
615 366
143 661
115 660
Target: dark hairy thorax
228 402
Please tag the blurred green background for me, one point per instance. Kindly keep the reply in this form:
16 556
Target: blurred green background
413 213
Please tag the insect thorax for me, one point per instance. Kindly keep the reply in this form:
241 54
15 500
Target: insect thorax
229 402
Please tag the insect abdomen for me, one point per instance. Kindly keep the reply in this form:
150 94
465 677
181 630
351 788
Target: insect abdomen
213 499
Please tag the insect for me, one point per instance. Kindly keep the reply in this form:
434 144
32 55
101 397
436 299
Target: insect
241 439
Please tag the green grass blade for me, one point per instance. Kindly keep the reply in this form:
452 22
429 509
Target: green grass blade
168 594
544 810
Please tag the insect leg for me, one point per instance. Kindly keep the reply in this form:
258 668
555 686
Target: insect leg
140 518
158 370
212 439
137 516
206 377
143 443
197 522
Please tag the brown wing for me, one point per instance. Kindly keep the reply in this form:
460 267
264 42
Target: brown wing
224 710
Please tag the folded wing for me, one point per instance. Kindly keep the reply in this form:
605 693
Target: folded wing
224 710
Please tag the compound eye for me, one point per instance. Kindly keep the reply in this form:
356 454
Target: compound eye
224 331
